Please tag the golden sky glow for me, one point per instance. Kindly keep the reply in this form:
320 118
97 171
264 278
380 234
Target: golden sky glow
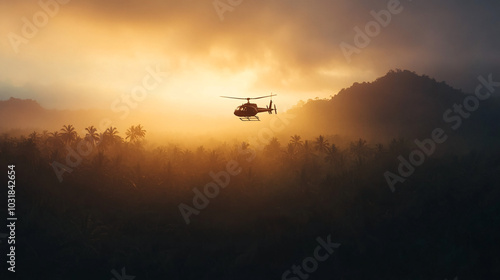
92 52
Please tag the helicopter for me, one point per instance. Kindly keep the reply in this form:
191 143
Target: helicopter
248 111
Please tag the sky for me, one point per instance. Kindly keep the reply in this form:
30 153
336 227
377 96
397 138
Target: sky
180 56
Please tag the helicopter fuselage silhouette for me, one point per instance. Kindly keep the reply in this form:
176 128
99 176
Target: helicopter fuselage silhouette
248 111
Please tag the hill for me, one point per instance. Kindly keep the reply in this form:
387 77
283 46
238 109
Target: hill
22 116
400 104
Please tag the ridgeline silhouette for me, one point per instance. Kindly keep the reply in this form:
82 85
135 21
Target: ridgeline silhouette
400 104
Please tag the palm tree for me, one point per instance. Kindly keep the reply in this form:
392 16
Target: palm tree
290 152
307 150
214 158
34 137
360 150
140 131
200 151
336 158
379 150
68 134
399 146
54 143
130 133
273 147
45 135
111 136
331 154
92 135
55 137
135 133
296 141
321 144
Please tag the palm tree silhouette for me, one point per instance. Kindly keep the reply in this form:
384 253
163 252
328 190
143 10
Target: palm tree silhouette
135 134
331 154
214 158
34 136
55 138
321 144
296 141
360 150
307 150
44 136
290 152
54 144
273 148
111 136
68 134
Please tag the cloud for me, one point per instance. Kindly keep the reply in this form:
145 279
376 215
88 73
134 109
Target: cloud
291 46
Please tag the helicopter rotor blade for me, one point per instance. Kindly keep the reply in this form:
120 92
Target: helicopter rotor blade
234 97
247 98
263 96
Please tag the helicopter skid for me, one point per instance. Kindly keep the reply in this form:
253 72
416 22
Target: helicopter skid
250 119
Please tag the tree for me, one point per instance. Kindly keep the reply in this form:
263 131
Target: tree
273 147
92 135
68 134
28 148
291 151
135 134
111 136
34 136
307 150
296 141
379 150
331 154
321 144
200 152
54 144
214 158
360 150
399 146
44 136
130 134
55 139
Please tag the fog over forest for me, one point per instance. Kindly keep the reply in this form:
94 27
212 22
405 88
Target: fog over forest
237 139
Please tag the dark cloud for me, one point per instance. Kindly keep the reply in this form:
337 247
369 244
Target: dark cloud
451 40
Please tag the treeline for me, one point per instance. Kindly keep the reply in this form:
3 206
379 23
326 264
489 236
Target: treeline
304 159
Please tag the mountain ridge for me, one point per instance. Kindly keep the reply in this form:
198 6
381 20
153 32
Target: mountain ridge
398 104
